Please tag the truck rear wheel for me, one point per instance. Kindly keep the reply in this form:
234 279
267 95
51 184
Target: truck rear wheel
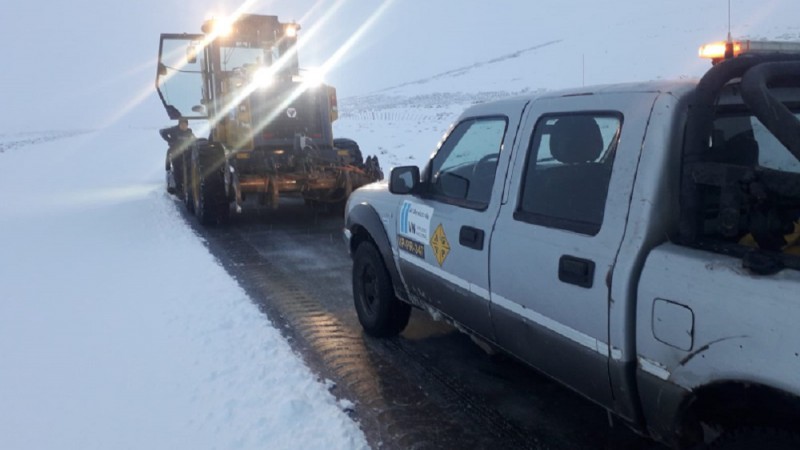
380 313
211 203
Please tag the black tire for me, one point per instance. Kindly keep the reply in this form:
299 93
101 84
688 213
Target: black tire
356 158
380 313
169 174
757 438
190 186
211 204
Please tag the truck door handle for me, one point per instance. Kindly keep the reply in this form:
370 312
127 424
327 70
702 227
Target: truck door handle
577 271
471 237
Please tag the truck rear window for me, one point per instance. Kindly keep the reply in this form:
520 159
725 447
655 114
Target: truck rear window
749 189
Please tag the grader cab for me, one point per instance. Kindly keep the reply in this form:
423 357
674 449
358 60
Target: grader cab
269 123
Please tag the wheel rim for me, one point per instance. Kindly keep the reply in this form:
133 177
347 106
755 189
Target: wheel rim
369 289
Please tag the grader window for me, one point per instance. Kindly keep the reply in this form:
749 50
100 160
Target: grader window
243 57
180 77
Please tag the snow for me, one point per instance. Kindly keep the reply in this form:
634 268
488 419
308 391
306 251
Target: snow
118 329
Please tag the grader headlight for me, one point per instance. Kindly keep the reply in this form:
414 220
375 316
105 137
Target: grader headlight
291 29
310 78
217 27
263 77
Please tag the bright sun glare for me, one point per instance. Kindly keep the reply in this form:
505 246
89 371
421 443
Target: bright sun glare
177 57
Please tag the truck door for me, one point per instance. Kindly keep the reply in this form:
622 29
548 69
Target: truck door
443 233
179 78
554 245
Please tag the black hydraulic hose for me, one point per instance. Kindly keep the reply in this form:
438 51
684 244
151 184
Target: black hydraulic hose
770 111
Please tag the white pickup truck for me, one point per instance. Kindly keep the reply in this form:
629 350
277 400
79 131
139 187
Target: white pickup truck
636 242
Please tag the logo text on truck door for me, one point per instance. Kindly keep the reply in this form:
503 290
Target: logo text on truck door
415 221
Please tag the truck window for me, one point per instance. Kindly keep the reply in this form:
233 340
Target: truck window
567 171
750 200
739 138
772 154
463 170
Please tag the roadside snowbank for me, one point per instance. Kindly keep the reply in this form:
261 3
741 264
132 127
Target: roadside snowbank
117 327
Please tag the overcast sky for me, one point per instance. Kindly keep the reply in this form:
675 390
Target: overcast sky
91 63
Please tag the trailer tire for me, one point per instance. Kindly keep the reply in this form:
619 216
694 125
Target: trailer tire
380 313
211 205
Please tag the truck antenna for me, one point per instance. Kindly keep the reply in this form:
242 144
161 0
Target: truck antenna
729 21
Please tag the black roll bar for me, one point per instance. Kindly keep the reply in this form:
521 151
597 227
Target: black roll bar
700 120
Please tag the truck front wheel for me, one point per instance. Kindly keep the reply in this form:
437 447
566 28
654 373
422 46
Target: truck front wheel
211 203
380 313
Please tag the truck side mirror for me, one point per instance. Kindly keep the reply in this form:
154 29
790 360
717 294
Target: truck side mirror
404 180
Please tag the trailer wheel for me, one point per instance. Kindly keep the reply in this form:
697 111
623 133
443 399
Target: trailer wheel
211 205
380 313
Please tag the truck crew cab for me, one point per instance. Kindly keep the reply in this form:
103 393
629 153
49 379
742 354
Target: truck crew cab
637 242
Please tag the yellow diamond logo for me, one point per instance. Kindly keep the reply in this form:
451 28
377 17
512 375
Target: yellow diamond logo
440 245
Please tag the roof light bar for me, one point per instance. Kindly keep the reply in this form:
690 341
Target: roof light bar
718 51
